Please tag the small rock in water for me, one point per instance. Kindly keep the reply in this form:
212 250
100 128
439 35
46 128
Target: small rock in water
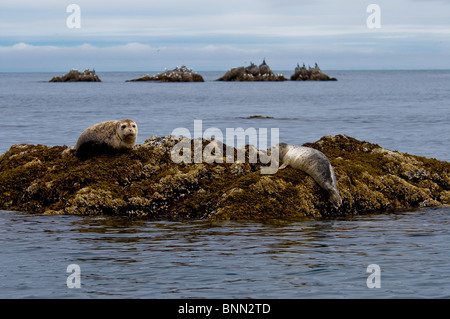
77 76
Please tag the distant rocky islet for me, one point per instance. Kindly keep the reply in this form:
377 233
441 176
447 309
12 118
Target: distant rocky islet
179 74
252 73
77 76
249 73
310 74
264 73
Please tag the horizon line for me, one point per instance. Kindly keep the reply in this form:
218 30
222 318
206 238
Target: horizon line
225 70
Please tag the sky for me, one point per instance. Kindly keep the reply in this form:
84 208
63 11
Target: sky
209 35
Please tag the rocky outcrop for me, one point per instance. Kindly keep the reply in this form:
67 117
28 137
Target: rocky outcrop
301 73
77 76
259 117
179 74
146 182
252 73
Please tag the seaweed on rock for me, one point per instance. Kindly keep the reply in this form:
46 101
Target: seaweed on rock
146 182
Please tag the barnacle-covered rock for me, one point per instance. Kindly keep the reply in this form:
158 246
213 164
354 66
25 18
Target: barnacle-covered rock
146 182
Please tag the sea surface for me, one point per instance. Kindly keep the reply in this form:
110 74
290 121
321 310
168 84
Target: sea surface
406 111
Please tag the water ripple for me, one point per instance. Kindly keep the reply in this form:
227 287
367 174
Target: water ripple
120 257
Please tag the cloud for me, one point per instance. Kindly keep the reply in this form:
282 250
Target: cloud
127 57
137 35
342 53
21 18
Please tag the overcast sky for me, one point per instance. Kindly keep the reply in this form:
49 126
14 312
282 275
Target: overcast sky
136 35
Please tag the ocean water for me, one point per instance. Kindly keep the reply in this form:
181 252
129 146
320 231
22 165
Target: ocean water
399 110
122 258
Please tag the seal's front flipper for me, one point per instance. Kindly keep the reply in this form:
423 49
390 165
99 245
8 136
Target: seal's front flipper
283 166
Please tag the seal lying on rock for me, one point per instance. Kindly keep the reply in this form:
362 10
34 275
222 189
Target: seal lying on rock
314 163
107 137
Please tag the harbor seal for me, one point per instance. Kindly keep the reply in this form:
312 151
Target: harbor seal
315 164
107 137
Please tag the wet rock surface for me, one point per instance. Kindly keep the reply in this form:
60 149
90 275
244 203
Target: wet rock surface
145 182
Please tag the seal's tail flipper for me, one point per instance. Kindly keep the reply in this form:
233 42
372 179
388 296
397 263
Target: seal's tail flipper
283 166
335 198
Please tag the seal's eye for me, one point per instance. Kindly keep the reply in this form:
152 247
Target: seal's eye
134 126
124 127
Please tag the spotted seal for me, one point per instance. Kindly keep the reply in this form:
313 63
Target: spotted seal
107 137
315 164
